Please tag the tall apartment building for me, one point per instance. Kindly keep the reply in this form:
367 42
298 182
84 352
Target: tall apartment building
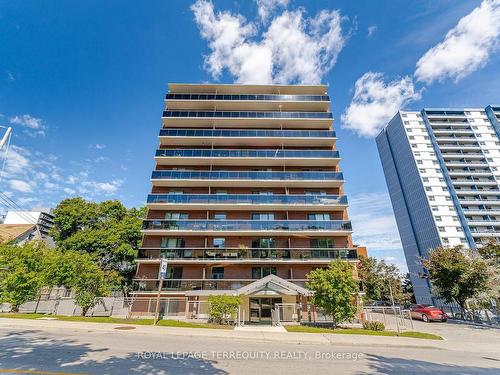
442 168
247 195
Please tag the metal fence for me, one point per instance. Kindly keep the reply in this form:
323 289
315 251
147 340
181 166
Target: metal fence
393 317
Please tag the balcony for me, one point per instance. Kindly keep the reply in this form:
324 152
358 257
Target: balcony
246 255
151 285
247 157
219 137
471 182
247 178
477 211
461 173
247 102
463 164
246 227
246 201
320 120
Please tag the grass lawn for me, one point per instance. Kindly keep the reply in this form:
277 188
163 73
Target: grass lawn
105 319
360 331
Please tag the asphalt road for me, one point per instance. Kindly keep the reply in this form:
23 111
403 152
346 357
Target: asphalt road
63 350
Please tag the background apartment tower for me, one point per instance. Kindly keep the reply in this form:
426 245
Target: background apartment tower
247 187
442 168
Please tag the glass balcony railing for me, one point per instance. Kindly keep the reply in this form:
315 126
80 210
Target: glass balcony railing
198 284
257 97
245 175
247 199
247 133
248 114
247 225
236 254
268 154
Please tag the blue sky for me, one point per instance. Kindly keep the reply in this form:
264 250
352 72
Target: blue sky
82 83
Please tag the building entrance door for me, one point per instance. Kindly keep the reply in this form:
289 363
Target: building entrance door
260 309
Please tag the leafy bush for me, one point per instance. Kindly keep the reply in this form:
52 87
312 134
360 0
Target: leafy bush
222 308
374 326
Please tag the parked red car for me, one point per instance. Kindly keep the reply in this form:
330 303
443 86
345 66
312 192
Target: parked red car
427 313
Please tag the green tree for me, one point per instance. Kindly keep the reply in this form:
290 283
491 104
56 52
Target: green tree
334 290
490 252
21 272
407 287
91 282
222 307
106 230
456 273
376 276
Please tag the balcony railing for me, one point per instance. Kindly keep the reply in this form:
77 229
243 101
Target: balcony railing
240 254
268 154
247 225
246 175
205 133
247 199
248 114
147 285
260 97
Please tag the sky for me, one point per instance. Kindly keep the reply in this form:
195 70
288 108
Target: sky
82 83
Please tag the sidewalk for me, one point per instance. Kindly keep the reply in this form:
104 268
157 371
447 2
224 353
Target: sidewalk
259 336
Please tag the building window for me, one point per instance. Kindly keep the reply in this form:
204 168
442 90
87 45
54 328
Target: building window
321 243
217 273
264 216
438 218
260 272
425 179
220 216
173 276
428 188
441 229
176 216
172 243
318 217
264 243
219 242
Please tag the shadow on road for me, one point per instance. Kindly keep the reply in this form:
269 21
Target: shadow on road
391 365
29 351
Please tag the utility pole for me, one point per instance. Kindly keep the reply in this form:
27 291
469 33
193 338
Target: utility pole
161 275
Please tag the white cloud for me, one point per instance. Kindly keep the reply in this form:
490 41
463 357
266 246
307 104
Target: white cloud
373 221
371 30
376 102
93 188
69 191
21 186
35 125
266 7
466 48
293 49
98 146
17 161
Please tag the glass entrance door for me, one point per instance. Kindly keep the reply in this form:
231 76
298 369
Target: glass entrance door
261 309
